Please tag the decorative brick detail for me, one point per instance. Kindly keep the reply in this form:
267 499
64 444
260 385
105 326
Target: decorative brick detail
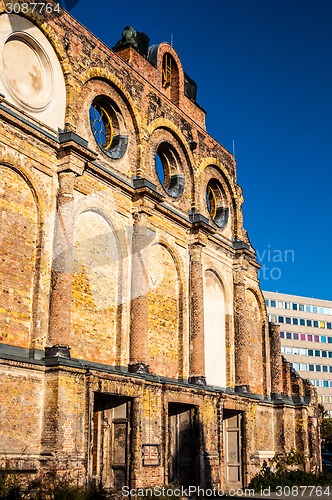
255 338
241 344
276 361
139 296
197 364
287 385
314 440
62 266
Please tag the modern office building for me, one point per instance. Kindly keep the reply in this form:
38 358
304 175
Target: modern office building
306 338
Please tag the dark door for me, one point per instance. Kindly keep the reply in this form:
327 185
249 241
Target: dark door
182 452
111 440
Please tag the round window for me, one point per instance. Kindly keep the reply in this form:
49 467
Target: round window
215 203
167 168
107 127
27 71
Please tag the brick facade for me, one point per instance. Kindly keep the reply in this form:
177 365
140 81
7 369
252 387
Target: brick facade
134 335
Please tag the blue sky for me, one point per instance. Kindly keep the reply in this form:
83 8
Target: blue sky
264 75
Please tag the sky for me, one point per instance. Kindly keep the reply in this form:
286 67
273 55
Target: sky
264 75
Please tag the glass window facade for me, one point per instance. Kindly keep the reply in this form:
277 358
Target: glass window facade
295 306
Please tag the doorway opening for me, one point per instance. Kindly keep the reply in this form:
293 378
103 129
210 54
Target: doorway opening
111 440
183 445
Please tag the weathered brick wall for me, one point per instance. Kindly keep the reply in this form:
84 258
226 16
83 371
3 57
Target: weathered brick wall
211 438
264 429
164 339
71 417
289 428
95 297
255 344
21 395
19 239
259 435
63 428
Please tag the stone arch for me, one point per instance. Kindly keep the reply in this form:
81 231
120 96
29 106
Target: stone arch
157 55
224 175
165 312
109 77
102 203
215 328
166 124
96 289
175 256
218 165
261 302
20 248
256 343
37 191
226 282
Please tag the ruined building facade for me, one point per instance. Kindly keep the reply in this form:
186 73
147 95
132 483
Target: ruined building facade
135 345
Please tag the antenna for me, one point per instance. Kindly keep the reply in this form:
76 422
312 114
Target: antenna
171 39
233 148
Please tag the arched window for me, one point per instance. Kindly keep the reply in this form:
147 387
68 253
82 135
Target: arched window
170 78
